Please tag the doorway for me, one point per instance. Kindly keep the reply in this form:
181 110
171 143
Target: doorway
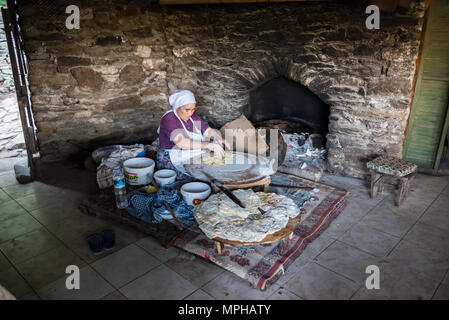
17 60
12 142
429 116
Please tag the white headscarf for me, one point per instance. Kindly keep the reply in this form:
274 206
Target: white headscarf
178 99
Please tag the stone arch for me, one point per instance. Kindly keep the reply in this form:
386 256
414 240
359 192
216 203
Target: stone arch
265 70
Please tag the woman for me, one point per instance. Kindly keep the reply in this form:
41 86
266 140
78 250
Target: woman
184 135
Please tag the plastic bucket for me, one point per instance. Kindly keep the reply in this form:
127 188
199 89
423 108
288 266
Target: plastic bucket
138 171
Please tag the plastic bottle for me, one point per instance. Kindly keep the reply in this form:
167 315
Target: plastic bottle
120 189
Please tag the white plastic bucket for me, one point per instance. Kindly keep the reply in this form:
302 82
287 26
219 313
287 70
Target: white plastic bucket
195 192
138 171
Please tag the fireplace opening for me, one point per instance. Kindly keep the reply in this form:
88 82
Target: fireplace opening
302 118
284 101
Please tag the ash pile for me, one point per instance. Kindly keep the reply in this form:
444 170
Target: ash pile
305 155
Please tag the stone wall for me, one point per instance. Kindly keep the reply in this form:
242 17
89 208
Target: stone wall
109 81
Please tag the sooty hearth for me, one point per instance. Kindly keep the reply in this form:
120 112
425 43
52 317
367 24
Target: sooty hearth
288 101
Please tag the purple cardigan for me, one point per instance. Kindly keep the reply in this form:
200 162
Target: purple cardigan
170 122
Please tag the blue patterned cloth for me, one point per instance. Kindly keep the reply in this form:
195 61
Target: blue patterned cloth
150 207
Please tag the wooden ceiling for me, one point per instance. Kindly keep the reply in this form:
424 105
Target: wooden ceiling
224 1
384 5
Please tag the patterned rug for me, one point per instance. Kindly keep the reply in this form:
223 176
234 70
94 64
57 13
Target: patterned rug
262 265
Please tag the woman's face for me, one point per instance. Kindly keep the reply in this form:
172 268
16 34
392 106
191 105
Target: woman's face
186 111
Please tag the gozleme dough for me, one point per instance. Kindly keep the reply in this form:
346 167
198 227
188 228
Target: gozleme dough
215 161
220 217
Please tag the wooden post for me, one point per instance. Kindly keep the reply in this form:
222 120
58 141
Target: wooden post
265 187
19 69
404 188
375 181
284 242
444 133
219 247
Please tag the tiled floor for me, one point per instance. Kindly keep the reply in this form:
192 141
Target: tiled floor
42 232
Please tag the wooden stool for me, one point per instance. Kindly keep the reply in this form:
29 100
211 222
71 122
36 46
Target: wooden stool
389 166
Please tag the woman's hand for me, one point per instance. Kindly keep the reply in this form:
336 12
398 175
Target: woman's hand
225 143
215 135
216 149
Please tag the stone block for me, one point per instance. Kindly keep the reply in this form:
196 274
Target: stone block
132 74
23 173
51 83
64 48
400 104
108 41
45 37
365 50
144 32
45 99
338 35
151 64
87 78
86 14
143 51
42 68
65 63
34 46
389 86
29 10
155 91
127 102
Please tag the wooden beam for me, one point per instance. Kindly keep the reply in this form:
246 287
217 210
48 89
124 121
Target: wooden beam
177 2
441 144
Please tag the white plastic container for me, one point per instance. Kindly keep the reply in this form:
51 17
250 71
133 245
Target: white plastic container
164 177
138 171
195 192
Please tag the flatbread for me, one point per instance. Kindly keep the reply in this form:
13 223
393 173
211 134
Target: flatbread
212 161
220 217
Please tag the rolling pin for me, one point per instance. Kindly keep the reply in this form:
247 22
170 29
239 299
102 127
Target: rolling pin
291 187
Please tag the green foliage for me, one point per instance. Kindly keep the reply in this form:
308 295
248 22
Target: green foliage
2 3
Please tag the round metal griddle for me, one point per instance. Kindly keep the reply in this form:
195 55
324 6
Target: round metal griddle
244 168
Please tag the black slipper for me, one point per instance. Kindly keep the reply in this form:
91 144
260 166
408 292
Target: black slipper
108 239
95 242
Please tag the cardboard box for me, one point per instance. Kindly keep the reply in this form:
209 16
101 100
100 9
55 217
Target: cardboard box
242 136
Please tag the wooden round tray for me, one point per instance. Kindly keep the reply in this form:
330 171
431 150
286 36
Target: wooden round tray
278 235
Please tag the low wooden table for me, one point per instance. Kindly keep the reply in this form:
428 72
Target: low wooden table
264 182
282 235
